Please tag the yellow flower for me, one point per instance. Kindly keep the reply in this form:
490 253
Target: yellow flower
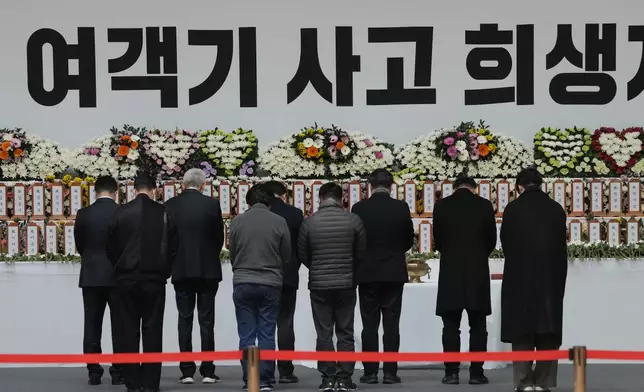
471 130
50 177
481 132
90 180
489 137
320 130
66 179
619 220
78 180
300 134
492 147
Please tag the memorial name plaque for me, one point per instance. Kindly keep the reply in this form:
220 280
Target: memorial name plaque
38 201
594 231
354 194
485 189
299 196
634 197
224 199
242 189
75 199
13 239
544 187
70 245
33 239
429 198
615 197
577 203
425 237
633 231
3 201
51 238
597 198
57 201
315 196
19 201
92 193
207 189
559 193
447 189
130 192
613 233
574 231
169 191
394 191
502 196
410 196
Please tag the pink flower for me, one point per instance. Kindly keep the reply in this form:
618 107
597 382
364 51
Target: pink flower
15 143
368 142
182 161
159 161
474 144
449 141
473 136
379 155
345 139
333 139
459 134
451 151
474 154
332 150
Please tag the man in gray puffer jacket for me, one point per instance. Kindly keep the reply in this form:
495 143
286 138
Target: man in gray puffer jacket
331 243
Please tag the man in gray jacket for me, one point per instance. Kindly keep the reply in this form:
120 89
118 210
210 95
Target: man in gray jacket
259 245
331 243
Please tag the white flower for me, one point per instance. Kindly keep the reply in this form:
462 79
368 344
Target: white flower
7 136
481 139
462 156
308 142
460 146
345 150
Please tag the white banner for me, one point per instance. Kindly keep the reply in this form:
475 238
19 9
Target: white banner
394 70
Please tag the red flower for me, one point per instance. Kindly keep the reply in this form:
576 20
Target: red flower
597 148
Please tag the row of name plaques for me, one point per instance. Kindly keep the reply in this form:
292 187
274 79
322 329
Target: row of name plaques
428 194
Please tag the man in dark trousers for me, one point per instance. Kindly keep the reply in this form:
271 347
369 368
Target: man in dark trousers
260 247
465 235
196 272
142 245
331 244
533 235
285 325
97 273
382 274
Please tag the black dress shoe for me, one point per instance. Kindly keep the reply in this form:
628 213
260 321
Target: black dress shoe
450 379
289 379
369 379
118 381
134 390
391 379
94 381
327 386
479 380
150 390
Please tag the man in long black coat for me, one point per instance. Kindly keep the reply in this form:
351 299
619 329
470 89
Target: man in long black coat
97 274
533 235
285 319
382 275
465 235
196 272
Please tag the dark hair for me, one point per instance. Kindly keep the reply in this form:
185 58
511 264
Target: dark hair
144 182
276 187
464 181
105 184
259 193
331 190
381 178
530 178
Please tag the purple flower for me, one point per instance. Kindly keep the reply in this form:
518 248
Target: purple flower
452 152
250 163
449 141
368 142
333 139
379 155
249 170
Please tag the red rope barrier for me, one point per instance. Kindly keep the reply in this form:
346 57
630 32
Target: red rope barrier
615 355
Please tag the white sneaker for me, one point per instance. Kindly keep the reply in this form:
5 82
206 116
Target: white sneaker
540 389
210 380
526 389
187 380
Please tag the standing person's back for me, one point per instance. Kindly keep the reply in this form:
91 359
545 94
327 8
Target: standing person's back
331 244
259 246
533 235
382 275
465 235
142 245
196 272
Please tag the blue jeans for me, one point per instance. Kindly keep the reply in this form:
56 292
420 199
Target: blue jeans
256 309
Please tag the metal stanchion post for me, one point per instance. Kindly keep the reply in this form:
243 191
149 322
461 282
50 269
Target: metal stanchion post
251 356
578 356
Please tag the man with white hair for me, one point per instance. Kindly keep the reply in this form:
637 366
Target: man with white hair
196 272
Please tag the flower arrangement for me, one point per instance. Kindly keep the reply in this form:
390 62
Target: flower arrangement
620 151
14 145
368 155
167 153
230 152
309 144
43 159
467 143
424 155
324 145
96 159
564 153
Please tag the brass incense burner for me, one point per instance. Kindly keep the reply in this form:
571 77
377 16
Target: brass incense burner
416 269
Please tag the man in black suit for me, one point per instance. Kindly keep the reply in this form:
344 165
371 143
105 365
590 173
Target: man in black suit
97 274
285 324
196 272
382 274
142 245
465 235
